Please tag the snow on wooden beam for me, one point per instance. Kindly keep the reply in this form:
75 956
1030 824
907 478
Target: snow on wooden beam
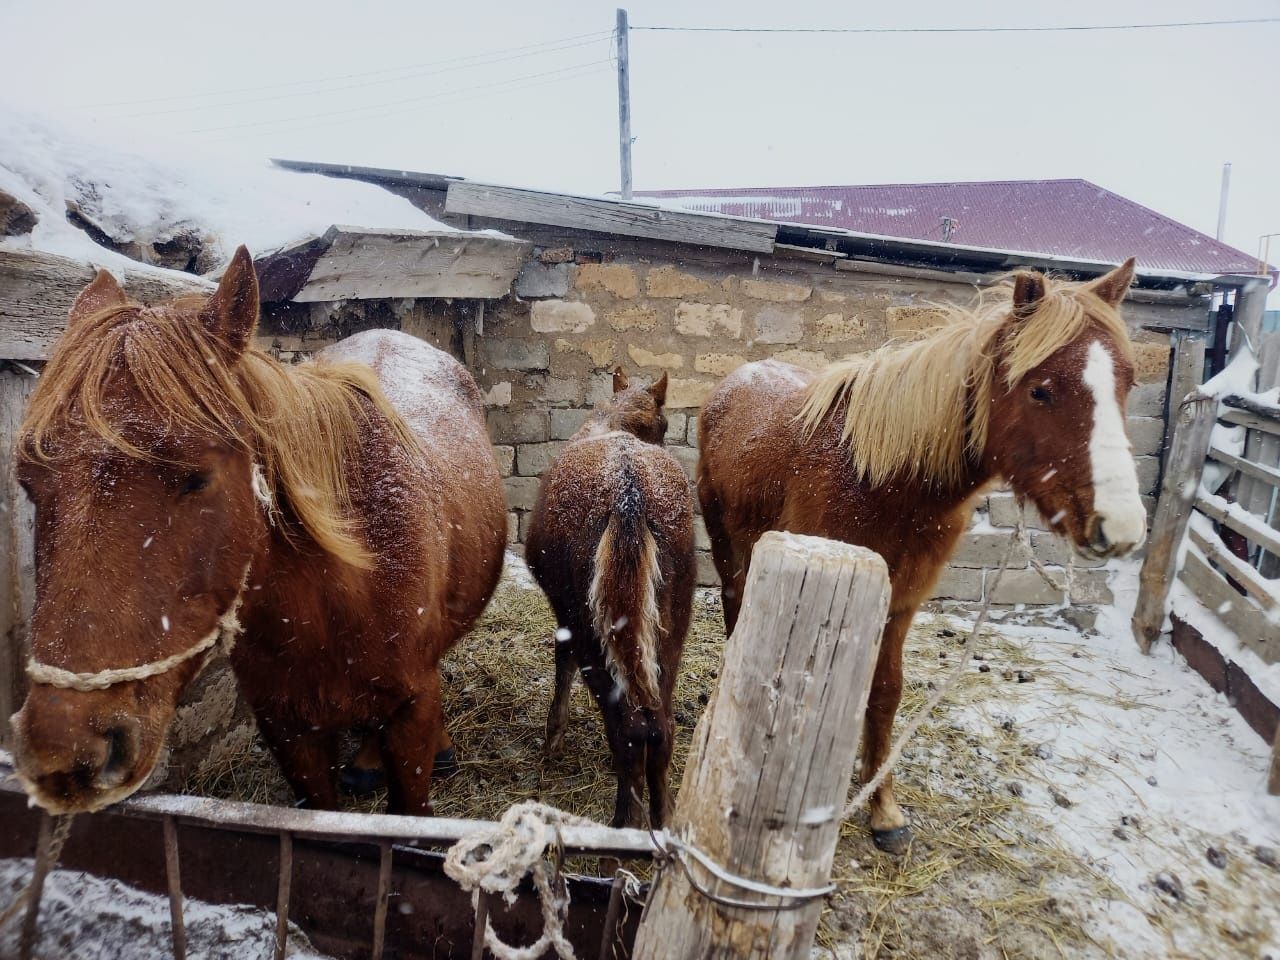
37 290
603 215
362 263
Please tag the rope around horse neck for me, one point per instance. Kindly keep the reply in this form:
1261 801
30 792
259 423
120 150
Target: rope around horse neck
222 637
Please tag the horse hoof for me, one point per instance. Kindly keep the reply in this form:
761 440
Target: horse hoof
445 765
895 841
362 781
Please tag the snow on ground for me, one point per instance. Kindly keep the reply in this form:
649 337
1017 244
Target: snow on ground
89 918
152 193
1152 779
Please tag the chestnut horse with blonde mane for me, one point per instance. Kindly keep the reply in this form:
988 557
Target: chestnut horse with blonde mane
346 513
611 545
889 450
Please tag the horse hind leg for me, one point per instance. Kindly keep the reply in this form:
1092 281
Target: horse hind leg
731 568
889 827
558 714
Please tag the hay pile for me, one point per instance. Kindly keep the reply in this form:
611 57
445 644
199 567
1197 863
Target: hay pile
976 883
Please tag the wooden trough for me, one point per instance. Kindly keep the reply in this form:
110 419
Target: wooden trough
362 885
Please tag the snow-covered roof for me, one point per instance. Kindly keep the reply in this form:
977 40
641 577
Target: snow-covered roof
167 193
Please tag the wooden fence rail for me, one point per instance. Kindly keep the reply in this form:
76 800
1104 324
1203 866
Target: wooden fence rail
1226 550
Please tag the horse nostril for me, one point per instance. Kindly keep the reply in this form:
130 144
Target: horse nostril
121 754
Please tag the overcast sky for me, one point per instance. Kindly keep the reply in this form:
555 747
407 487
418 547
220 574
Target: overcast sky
460 88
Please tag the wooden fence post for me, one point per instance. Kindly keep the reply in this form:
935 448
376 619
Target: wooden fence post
768 776
1183 469
1273 782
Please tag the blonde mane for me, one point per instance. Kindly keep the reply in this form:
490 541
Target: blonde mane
303 424
920 411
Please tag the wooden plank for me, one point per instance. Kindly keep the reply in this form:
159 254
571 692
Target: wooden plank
1257 532
774 749
37 290
1226 677
1261 590
1237 612
1184 466
17 556
380 900
1247 467
1251 420
1190 315
1267 410
330 825
364 264
602 215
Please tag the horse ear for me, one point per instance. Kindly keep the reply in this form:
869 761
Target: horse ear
1028 291
620 381
1111 287
658 389
102 293
232 312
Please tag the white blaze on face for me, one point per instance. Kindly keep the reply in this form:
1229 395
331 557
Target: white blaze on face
1115 476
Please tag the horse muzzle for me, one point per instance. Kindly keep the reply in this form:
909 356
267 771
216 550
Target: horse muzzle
1115 534
69 767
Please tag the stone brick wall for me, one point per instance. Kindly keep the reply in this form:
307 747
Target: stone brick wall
580 308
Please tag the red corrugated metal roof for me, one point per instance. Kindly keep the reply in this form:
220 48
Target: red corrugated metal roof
1068 218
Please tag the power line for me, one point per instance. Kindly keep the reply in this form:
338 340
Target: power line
348 76
1078 28
574 73
368 83
394 103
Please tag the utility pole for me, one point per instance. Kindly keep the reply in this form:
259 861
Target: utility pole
624 104
1222 201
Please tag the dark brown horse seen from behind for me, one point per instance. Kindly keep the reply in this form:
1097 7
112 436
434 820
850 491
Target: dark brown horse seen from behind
611 544
347 513
889 451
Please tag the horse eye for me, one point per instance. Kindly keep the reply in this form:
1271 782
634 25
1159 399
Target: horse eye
1041 394
193 484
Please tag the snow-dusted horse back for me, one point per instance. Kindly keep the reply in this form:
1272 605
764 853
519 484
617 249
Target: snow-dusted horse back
345 517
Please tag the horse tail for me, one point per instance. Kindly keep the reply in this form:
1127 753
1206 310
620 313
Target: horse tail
624 594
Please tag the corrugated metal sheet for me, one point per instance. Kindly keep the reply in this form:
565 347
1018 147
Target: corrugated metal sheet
1067 218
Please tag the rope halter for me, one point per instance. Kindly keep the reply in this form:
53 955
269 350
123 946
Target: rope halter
221 637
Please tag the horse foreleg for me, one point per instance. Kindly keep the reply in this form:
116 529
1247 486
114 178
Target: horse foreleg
558 715
889 827
410 740
307 759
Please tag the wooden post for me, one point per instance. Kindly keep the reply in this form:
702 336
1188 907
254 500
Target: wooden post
1251 303
1186 372
624 103
17 555
1273 783
768 776
173 874
1184 465
284 887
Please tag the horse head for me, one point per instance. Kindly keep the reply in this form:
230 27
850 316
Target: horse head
636 410
148 510
1057 410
